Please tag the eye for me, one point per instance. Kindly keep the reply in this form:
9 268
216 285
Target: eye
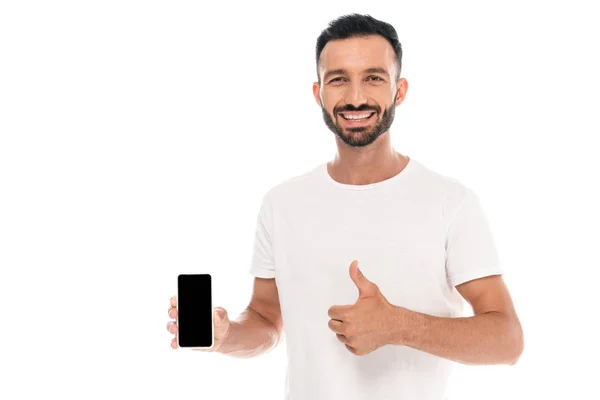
376 78
338 79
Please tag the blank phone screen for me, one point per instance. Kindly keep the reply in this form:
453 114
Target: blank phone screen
194 310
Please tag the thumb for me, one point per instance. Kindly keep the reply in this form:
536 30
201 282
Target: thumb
220 314
365 287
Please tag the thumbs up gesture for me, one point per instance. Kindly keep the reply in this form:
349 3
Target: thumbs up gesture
365 325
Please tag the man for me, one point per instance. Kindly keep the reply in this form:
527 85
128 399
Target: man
364 261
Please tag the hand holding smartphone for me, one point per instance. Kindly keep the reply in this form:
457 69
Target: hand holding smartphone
198 326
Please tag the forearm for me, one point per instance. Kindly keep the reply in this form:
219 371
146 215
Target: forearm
487 338
250 335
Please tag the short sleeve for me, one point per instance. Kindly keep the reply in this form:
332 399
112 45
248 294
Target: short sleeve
470 249
262 265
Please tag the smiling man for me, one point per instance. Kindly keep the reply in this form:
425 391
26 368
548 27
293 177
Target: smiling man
420 238
364 262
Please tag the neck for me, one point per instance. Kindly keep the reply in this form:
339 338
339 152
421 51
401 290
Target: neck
366 165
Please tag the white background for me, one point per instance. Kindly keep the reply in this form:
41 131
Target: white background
138 137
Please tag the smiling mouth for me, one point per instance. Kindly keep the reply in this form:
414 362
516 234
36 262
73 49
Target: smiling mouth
357 117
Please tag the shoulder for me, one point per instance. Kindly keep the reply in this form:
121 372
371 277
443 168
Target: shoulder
293 187
449 191
440 182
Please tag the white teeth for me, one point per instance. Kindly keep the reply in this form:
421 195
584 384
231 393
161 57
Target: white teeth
361 116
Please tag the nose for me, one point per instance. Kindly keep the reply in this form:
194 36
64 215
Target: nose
355 94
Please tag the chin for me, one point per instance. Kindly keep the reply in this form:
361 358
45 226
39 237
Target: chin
363 129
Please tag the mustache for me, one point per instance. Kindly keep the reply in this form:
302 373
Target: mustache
350 107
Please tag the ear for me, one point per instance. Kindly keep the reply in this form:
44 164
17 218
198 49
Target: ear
402 86
316 90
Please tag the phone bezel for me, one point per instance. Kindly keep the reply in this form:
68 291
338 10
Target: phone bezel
212 323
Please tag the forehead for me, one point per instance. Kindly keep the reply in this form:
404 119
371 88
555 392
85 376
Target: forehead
357 53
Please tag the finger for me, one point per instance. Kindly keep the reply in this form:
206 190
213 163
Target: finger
174 301
341 338
173 312
172 327
332 312
352 349
219 315
338 312
174 343
335 325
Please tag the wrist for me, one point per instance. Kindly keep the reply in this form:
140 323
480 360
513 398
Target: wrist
223 343
400 328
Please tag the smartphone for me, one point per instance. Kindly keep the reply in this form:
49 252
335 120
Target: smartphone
195 328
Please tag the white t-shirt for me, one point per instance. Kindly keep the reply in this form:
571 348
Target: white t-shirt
416 235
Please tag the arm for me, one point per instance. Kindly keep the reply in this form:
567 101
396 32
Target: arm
259 327
250 335
493 335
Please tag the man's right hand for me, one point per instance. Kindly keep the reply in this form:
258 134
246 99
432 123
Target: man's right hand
220 319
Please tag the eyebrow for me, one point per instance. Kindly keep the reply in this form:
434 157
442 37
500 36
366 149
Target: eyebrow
367 71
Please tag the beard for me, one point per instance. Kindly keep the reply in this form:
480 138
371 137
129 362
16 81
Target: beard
361 136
